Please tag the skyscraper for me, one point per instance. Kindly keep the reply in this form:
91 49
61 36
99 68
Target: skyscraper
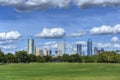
45 52
89 47
31 46
61 48
50 52
95 50
79 49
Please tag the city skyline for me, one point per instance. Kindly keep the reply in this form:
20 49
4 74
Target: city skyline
52 21
60 49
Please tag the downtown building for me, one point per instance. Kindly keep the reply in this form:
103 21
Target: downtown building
89 47
31 48
97 51
45 52
61 48
39 52
79 49
50 52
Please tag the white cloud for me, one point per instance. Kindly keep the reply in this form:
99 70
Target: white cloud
91 3
81 42
5 42
12 35
51 33
103 45
116 45
7 47
114 39
105 30
10 2
116 29
7 38
28 5
107 45
77 34
51 45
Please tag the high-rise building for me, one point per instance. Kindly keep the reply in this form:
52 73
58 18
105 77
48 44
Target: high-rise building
97 52
61 48
34 50
38 52
50 52
89 47
45 52
31 48
79 49
59 53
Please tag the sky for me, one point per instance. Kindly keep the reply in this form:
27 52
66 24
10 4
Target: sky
52 21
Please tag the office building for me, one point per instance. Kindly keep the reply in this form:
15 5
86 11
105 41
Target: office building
59 53
89 47
50 52
39 52
45 52
61 48
79 49
97 51
34 50
31 48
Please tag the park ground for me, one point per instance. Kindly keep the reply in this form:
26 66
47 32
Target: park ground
60 71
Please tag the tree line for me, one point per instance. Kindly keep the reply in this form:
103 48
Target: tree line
23 57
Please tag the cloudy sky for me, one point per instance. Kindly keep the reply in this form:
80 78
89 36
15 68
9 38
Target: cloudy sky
51 21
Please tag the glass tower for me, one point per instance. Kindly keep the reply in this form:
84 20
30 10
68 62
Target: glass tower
31 48
89 47
79 49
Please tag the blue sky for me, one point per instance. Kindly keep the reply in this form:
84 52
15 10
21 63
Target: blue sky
74 22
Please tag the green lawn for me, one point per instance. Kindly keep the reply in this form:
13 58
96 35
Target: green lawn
60 71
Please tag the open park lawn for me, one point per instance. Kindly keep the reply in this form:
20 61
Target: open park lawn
60 71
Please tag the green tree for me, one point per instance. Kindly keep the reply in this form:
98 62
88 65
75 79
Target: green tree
21 56
66 58
1 56
10 58
32 58
40 59
48 58
75 58
88 59
107 57
117 58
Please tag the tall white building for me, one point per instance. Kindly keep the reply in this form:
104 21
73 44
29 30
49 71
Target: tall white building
45 52
61 48
31 48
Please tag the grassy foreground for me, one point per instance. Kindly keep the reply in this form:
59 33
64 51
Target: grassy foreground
60 71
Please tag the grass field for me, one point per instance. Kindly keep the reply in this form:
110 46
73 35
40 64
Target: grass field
60 71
